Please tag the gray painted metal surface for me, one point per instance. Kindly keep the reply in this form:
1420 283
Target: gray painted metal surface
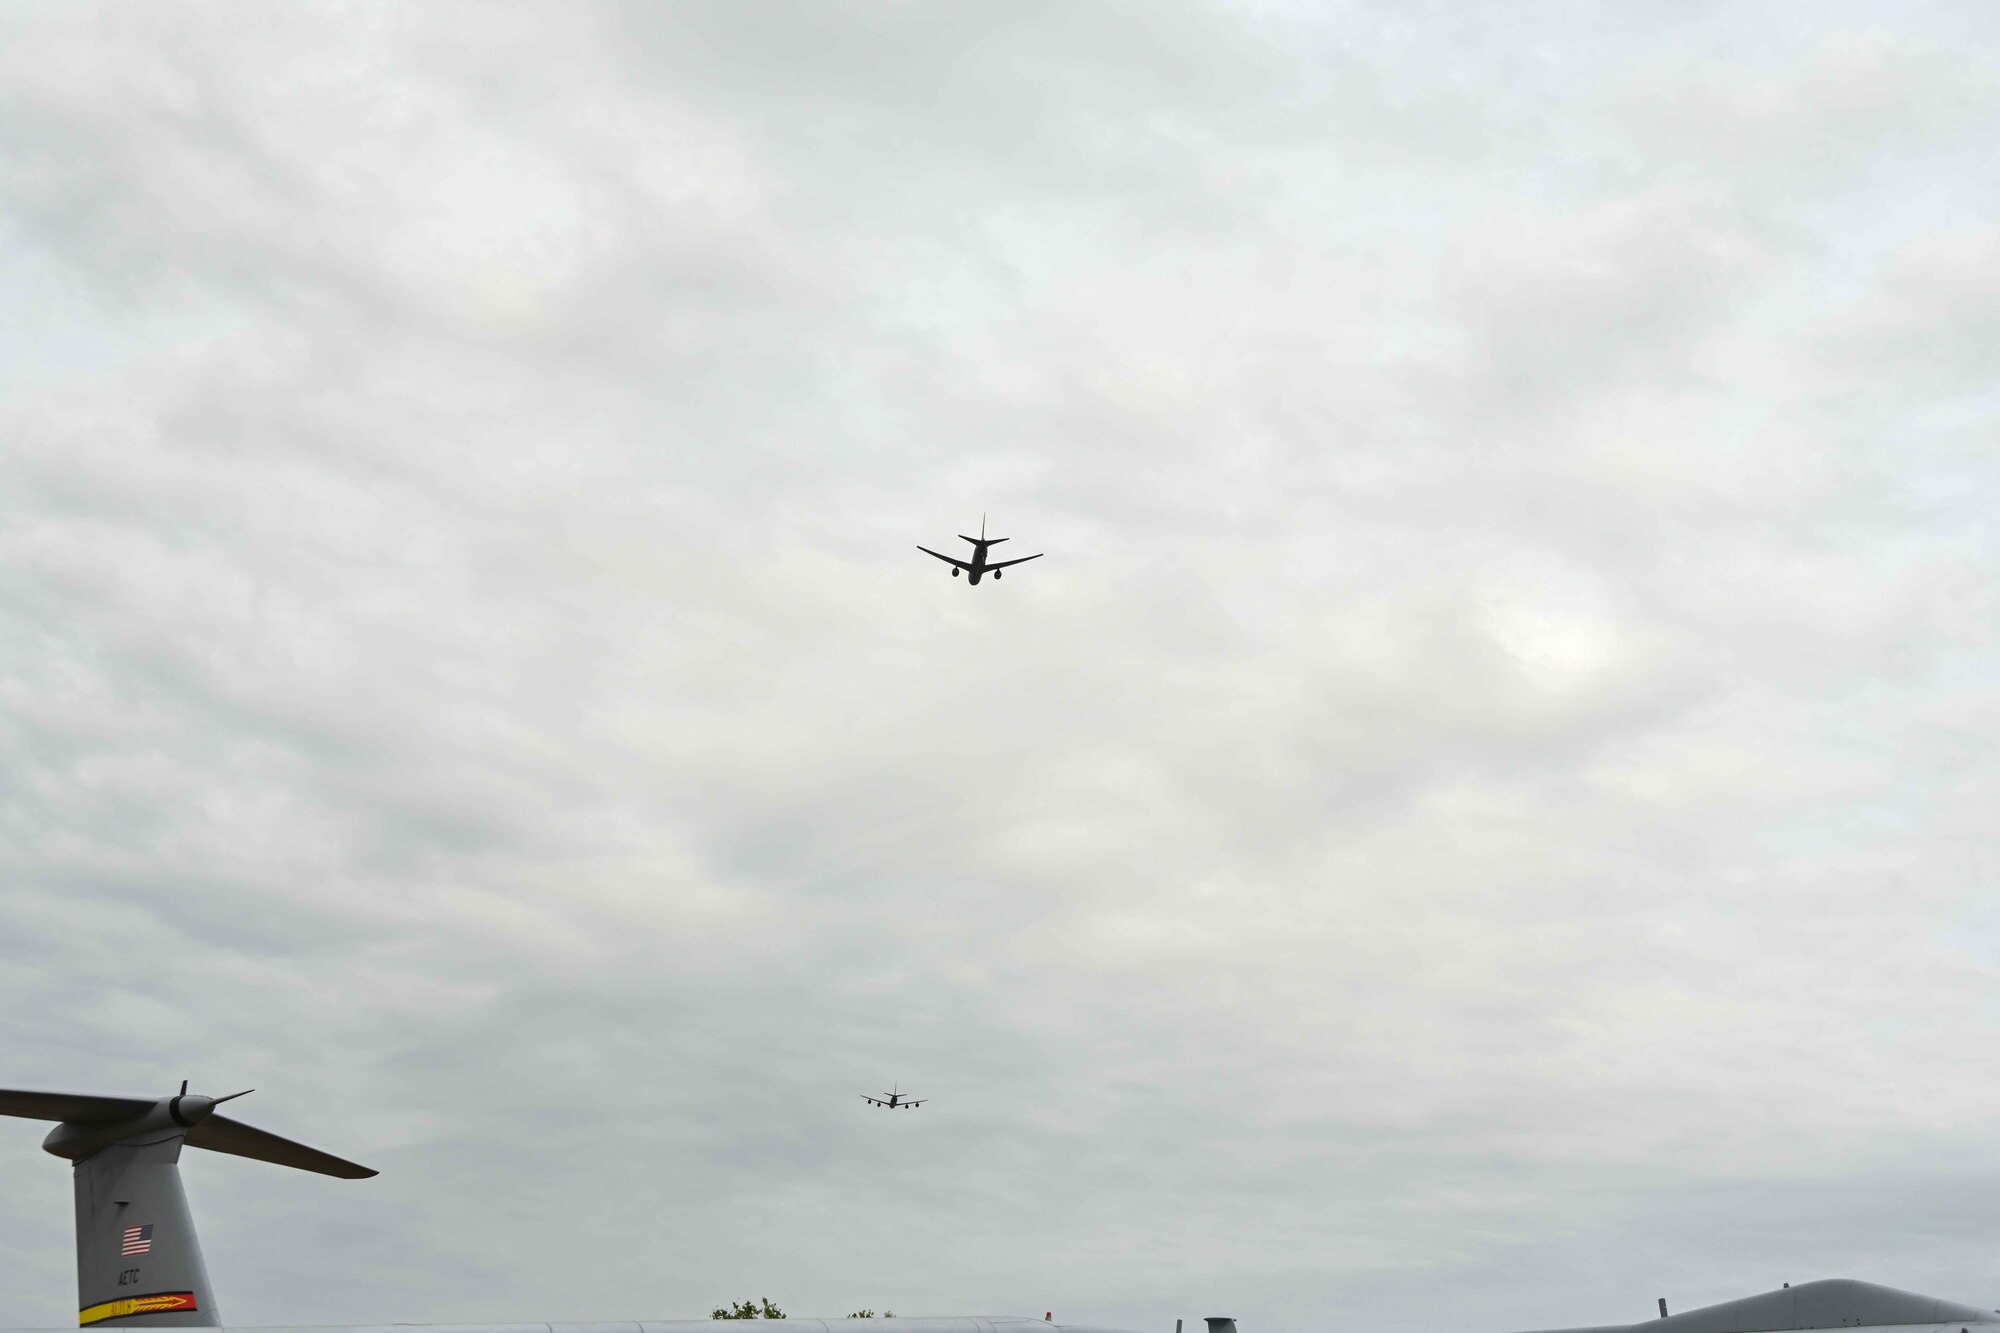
135 1241
1832 1303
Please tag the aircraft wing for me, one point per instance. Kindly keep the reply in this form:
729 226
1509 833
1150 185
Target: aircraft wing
916 1103
873 1101
947 559
1002 564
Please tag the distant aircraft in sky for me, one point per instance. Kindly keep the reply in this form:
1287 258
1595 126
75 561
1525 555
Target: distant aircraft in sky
978 567
895 1101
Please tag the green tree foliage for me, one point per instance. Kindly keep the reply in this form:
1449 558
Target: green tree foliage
747 1310
870 1314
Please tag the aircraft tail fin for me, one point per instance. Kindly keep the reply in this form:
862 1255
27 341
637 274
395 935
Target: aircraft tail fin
138 1260
982 540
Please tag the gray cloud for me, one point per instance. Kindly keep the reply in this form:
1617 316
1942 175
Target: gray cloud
1480 818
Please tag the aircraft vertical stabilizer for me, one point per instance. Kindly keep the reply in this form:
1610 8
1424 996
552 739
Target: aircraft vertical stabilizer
138 1260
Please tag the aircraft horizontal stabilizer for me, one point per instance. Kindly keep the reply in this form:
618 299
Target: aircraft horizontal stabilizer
219 1133
76 1106
90 1124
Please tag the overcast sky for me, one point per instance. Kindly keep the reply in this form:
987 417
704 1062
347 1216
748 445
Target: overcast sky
1484 816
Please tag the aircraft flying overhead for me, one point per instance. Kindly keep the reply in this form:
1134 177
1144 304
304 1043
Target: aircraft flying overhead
978 567
895 1101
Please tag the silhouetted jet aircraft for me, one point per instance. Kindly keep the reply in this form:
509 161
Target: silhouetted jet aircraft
979 565
896 1100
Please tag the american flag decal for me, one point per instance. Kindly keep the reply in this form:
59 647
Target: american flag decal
138 1240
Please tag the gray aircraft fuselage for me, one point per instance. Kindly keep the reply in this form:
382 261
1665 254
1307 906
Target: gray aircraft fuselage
1830 1303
